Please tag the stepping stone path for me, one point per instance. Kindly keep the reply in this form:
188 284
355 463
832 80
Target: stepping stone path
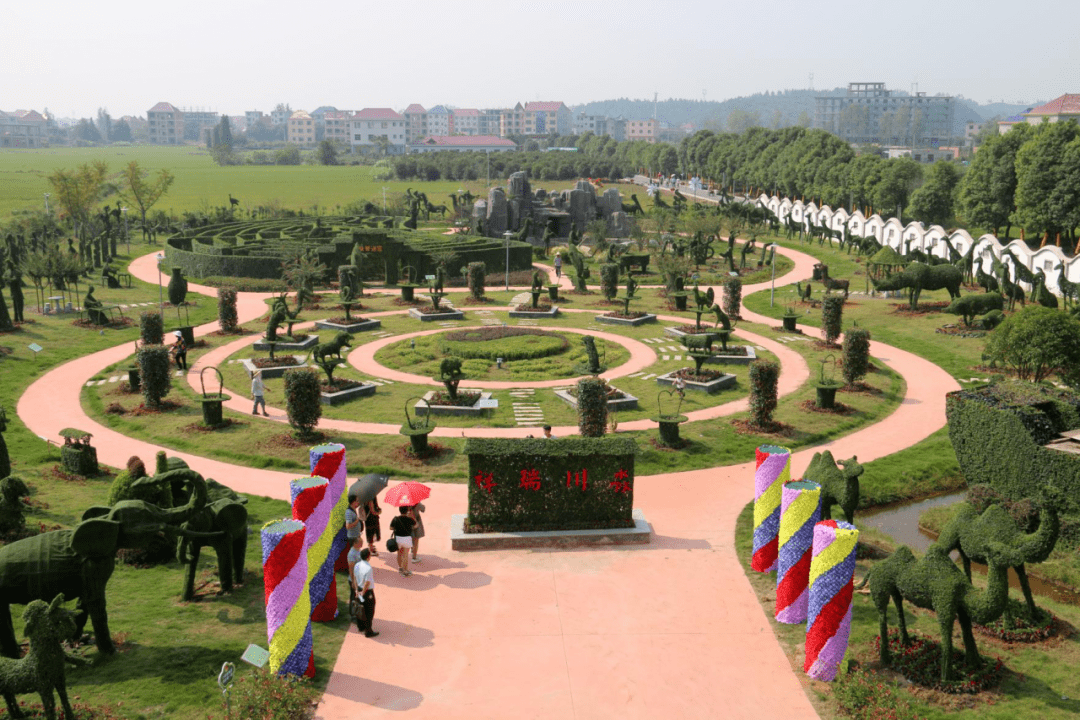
379 381
790 338
525 297
383 334
526 414
527 323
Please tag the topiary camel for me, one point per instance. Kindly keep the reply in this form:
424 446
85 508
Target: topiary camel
839 481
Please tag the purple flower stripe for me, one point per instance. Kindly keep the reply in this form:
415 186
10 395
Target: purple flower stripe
796 611
769 472
828 584
284 597
832 653
767 530
298 660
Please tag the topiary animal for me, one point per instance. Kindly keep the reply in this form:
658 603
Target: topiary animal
12 492
42 669
839 483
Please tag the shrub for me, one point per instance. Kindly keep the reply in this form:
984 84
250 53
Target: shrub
863 697
732 296
121 486
303 400
153 361
609 280
226 309
592 406
1036 342
151 328
764 376
477 271
832 316
856 354
507 342
265 696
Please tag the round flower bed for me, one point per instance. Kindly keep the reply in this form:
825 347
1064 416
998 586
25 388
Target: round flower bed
1021 628
509 343
920 663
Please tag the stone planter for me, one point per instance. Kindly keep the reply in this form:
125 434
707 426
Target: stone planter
212 414
286 347
721 383
720 358
357 325
477 409
344 396
790 322
536 314
437 317
634 322
274 372
641 533
626 402
826 395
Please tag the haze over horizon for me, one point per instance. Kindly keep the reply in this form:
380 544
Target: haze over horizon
74 58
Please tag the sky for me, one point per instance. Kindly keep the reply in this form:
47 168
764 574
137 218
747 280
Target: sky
230 56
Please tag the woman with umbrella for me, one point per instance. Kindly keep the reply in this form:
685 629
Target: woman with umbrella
367 489
405 495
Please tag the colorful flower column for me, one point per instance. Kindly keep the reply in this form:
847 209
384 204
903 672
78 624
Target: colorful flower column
288 605
311 505
832 571
800 509
328 461
773 470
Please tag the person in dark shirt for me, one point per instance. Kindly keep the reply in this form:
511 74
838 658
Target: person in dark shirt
402 527
179 351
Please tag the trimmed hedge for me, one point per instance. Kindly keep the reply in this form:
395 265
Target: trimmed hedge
226 303
609 280
856 354
151 328
832 317
518 485
154 375
764 379
592 407
477 271
303 399
509 343
732 296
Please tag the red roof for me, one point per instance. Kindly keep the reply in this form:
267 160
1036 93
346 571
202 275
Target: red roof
29 115
1064 105
543 106
162 107
467 112
377 114
414 108
457 140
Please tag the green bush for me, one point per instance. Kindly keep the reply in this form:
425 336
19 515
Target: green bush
592 406
154 376
832 317
539 484
764 378
856 354
303 401
864 697
1036 342
732 296
266 696
477 271
509 343
226 309
151 328
609 280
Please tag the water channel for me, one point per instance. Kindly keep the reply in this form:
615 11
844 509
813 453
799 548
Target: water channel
901 522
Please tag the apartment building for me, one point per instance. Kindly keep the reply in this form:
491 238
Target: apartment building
646 130
300 128
366 126
462 143
252 118
439 120
22 129
465 121
165 123
415 122
334 125
871 114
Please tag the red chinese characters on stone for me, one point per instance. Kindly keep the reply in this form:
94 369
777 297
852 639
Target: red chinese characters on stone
580 479
620 484
530 479
484 480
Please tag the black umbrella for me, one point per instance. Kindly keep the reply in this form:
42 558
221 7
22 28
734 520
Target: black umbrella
368 486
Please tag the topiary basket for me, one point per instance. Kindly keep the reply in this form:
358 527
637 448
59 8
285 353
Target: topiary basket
415 430
212 402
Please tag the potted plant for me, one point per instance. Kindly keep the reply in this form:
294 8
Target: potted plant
212 402
669 422
791 319
826 387
416 430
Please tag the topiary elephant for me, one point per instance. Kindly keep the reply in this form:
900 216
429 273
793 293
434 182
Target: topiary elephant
79 561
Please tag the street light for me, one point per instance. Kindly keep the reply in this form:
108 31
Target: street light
507 235
772 290
127 235
47 211
384 201
161 297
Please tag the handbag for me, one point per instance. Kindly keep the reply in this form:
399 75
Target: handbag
391 544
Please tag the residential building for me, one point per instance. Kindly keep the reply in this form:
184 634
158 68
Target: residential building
252 117
370 124
280 114
465 121
646 130
512 121
971 131
870 114
927 156
300 128
1005 125
438 120
415 122
166 124
462 143
334 125
1066 107
600 125
23 129
199 123
487 122
548 118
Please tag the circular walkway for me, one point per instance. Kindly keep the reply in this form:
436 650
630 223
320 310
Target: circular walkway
671 629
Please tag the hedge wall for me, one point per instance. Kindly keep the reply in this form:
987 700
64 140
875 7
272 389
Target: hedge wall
998 433
529 484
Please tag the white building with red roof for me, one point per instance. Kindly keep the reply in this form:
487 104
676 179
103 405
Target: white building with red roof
22 129
166 124
368 126
463 143
1066 107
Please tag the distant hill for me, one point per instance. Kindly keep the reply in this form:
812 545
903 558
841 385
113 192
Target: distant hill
780 108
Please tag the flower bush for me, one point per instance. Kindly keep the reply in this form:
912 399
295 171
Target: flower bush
862 696
303 400
832 315
151 328
265 696
732 296
920 663
153 361
856 354
226 309
764 378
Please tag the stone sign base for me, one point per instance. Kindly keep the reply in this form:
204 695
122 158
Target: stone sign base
640 534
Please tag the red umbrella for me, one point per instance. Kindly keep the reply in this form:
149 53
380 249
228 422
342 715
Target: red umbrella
406 493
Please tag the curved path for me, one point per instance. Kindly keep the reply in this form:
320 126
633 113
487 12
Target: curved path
670 629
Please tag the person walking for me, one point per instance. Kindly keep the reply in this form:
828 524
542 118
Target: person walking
353 526
364 582
355 546
179 350
257 392
558 265
402 527
372 529
418 528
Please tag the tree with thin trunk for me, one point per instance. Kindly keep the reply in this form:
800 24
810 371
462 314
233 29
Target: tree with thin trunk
77 191
138 189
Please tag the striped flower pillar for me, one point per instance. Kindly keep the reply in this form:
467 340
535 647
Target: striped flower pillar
828 622
772 471
328 461
800 509
288 605
311 505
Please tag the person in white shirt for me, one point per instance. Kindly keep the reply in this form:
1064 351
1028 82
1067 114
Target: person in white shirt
364 582
257 392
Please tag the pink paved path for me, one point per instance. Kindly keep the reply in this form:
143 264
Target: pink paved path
672 629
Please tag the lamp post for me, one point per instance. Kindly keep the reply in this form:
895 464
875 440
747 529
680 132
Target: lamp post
384 201
127 235
507 235
161 297
772 290
47 211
